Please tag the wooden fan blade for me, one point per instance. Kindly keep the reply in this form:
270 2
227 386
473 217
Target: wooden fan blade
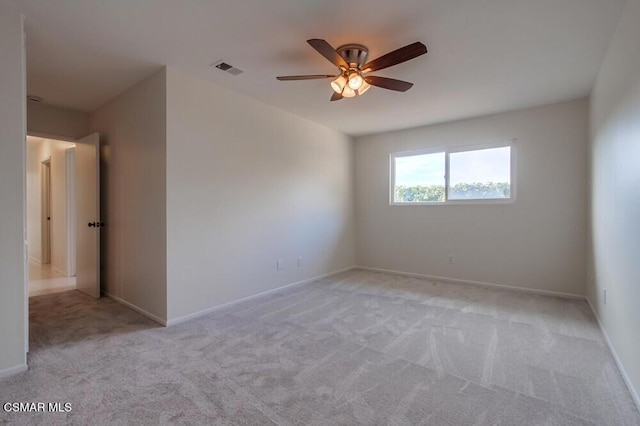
304 77
396 57
388 83
336 97
328 52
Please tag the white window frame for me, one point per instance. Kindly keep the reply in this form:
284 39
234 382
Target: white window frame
452 150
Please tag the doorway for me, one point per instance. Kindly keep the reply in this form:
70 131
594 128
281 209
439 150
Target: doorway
63 215
49 230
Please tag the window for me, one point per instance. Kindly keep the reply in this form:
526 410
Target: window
453 175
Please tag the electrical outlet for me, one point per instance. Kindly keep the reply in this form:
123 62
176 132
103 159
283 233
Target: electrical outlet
450 259
279 265
300 262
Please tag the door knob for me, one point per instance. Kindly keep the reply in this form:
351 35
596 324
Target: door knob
91 224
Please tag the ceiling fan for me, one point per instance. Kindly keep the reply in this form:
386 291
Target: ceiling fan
350 59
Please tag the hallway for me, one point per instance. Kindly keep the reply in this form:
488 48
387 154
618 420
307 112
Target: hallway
43 279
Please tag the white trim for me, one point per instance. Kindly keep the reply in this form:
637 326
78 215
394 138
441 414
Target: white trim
33 259
456 202
13 370
447 175
477 283
25 262
138 309
46 244
245 299
70 203
623 372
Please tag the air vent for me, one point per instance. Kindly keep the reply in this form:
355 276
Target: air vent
33 98
224 66
221 65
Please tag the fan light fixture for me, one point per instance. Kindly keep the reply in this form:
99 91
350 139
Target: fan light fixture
351 60
350 84
355 80
348 92
365 86
338 84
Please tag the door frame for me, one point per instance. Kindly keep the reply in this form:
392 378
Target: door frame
45 211
70 163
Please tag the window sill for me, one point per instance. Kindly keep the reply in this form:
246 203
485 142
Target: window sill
457 202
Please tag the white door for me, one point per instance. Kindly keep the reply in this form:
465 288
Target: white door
87 180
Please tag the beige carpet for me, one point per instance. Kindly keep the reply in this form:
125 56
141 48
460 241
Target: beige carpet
357 348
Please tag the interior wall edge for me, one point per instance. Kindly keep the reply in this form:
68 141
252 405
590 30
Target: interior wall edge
635 395
14 314
614 244
136 308
132 130
249 185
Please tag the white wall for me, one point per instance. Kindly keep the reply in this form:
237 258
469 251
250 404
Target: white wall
248 184
538 242
615 194
132 131
12 157
47 120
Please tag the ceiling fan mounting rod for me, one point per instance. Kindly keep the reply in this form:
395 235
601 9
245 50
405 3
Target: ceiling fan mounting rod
354 54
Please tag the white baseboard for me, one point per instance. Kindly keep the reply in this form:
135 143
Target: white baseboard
33 259
136 308
13 370
623 372
244 299
478 283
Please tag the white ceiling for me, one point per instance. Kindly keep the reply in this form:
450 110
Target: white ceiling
485 56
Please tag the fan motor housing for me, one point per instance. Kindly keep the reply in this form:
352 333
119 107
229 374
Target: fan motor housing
354 54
